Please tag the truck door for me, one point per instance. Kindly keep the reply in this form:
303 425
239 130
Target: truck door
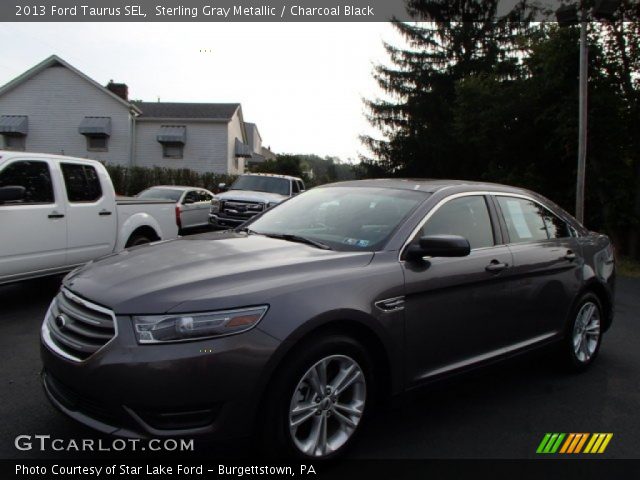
33 231
91 212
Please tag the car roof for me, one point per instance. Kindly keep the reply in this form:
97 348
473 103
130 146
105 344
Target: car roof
11 154
426 185
288 177
176 187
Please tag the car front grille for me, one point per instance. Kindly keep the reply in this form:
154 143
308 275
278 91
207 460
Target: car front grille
77 328
240 209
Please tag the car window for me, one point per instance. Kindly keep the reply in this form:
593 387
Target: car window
295 187
192 197
301 185
161 194
34 176
82 182
556 227
260 183
465 216
525 219
205 196
355 219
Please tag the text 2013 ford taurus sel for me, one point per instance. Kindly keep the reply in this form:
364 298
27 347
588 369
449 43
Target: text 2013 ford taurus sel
293 324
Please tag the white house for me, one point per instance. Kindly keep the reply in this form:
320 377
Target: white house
55 108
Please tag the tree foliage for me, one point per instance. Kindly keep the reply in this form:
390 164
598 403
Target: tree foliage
497 100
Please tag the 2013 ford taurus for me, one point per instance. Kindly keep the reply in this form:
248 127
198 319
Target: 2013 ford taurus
292 325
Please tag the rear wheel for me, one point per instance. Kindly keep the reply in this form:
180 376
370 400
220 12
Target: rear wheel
584 333
137 239
320 399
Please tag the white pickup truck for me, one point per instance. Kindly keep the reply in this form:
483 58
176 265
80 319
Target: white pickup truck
59 212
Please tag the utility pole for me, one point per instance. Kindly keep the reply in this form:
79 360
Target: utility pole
582 120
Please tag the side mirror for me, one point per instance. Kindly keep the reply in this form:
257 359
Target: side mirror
222 187
11 194
439 246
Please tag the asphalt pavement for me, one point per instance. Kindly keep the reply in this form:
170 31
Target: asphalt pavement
502 412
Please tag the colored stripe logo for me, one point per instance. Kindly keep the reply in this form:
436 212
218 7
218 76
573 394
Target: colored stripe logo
573 443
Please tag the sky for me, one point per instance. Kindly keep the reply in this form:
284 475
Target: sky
301 83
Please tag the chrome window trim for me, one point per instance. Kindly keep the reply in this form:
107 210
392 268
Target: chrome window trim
475 193
46 333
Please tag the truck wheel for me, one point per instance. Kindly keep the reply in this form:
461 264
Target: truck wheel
317 402
137 239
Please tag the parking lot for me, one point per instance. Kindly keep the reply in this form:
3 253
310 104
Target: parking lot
502 412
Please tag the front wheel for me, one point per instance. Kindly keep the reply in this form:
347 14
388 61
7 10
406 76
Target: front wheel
584 333
320 399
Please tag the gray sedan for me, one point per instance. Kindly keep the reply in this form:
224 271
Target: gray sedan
293 325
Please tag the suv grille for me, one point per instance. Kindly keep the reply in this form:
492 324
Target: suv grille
78 328
238 209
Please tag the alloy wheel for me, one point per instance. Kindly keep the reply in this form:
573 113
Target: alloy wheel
327 405
586 332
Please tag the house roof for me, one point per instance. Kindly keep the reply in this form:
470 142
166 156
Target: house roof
211 111
52 61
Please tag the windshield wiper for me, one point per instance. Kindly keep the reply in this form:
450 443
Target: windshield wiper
297 238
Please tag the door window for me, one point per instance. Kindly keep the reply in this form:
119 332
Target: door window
556 227
205 196
296 187
464 216
191 197
34 176
526 220
82 182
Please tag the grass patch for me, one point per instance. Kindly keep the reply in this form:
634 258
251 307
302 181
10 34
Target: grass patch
628 267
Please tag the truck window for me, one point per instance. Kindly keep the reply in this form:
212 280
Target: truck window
82 182
296 187
34 176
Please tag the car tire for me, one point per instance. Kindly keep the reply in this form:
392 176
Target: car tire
583 335
138 239
339 412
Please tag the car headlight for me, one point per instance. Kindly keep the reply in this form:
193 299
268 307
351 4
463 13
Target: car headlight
184 326
215 205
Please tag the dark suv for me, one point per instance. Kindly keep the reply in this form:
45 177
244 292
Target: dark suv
310 311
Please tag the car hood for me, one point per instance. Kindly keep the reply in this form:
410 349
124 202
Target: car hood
216 270
251 196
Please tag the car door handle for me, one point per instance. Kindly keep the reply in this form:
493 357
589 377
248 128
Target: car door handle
495 266
104 213
55 214
570 256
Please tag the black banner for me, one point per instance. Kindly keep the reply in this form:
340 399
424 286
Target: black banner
541 469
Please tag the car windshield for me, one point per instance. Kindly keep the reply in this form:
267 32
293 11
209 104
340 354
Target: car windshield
353 219
161 194
262 184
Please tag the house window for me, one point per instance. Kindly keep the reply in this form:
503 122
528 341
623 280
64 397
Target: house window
15 142
173 150
97 144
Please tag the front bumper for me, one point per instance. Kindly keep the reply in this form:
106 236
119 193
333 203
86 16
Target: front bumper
225 221
208 387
